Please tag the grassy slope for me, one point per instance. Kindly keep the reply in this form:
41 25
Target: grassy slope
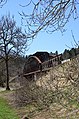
6 112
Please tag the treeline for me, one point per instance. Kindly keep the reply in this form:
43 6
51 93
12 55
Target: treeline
67 54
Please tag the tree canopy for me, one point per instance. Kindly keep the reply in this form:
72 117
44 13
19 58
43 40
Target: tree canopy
11 37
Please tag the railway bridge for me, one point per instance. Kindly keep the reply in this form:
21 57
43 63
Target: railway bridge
36 64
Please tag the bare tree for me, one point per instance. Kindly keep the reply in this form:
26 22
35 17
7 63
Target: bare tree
49 15
12 41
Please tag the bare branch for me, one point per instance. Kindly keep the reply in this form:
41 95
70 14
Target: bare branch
2 2
76 44
49 15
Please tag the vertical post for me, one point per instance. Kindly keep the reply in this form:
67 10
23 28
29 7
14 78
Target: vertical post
35 77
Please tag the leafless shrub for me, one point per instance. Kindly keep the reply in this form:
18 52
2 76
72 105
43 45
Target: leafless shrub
59 86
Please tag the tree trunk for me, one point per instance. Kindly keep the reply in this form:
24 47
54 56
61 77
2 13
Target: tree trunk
7 74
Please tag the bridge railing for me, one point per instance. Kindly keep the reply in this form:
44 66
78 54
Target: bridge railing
50 63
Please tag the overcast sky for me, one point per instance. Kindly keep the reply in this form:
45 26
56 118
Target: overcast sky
44 41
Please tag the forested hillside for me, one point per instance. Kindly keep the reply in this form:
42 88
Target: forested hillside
67 54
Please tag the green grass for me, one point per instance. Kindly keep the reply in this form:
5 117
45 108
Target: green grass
6 112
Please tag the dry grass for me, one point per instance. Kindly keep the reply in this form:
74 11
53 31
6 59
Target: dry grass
60 99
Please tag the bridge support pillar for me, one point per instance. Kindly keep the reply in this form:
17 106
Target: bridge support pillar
35 76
